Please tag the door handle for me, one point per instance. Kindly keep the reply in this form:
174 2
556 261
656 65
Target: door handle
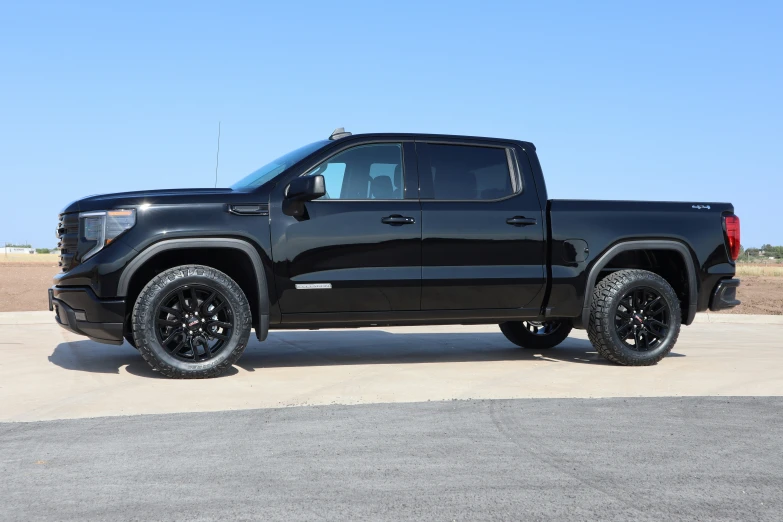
396 220
520 221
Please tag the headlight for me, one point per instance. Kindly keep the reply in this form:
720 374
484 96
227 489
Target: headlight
98 229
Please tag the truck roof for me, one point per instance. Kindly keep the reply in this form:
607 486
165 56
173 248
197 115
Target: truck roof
424 136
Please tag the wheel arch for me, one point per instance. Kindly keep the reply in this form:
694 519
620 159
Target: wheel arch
644 245
259 283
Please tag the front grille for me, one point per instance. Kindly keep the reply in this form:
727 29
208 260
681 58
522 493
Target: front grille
68 236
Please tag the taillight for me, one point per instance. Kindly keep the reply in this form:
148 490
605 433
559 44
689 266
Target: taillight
733 235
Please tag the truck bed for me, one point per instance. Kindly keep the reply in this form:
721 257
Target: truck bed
601 224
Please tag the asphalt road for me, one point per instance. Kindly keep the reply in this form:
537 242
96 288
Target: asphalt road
657 459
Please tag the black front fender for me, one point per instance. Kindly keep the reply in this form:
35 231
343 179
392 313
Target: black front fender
262 325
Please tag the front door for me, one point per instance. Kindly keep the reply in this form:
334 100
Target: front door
358 248
482 229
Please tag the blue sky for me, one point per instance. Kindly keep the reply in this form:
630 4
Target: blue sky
624 100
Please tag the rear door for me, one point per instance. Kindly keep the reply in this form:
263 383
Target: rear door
482 228
358 248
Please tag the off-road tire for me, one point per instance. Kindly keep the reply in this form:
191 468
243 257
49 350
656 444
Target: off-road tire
131 341
601 328
518 333
144 322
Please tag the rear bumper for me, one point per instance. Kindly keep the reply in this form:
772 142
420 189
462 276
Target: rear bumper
81 312
724 296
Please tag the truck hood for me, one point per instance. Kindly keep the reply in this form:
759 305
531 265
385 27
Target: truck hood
158 197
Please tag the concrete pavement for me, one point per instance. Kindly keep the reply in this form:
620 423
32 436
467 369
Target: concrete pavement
48 373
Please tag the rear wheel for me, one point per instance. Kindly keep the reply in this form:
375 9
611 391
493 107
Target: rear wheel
634 318
191 322
537 335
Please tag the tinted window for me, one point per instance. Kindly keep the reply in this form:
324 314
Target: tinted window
465 172
269 171
364 172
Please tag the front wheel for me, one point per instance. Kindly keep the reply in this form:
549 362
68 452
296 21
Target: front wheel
191 322
537 335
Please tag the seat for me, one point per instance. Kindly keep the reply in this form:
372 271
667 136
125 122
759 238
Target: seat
397 179
455 184
381 188
355 184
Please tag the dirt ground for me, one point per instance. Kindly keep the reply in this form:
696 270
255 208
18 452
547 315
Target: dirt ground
759 295
23 287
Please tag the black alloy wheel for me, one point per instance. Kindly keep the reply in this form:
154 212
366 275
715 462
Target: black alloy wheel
542 327
642 319
635 317
537 335
191 322
194 322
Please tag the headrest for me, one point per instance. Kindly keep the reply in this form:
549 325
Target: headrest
381 188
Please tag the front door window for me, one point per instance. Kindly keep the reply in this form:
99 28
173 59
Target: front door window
364 172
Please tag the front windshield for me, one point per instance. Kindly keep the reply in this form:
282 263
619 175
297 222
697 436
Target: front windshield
275 167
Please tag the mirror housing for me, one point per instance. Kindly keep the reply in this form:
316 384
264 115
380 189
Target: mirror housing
306 188
300 190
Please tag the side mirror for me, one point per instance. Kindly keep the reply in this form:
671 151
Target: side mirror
300 190
306 188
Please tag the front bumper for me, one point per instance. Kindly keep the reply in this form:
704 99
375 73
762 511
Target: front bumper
724 296
80 311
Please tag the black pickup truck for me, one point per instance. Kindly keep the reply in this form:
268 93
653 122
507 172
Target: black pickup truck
387 230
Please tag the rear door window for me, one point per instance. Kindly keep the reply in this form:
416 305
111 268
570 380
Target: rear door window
466 172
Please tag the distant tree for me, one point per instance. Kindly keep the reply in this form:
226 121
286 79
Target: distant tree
766 251
14 245
42 251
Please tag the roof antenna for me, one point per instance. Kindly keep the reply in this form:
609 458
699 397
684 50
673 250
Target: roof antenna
217 157
338 133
